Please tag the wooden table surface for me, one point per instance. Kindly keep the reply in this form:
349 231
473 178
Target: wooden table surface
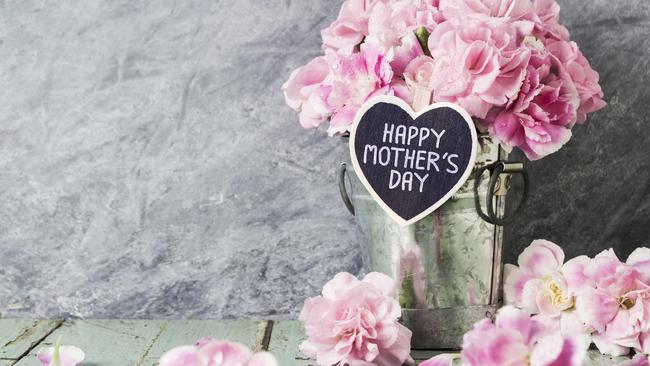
142 342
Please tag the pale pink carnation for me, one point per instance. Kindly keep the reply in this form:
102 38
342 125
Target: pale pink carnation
584 77
210 352
539 118
355 322
616 304
520 12
307 92
516 339
543 283
350 28
548 21
478 64
355 79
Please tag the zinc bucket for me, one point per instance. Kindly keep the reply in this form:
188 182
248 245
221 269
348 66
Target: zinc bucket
448 265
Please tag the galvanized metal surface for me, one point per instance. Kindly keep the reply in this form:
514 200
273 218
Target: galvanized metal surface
449 260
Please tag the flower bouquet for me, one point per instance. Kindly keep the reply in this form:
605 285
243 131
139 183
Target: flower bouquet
512 66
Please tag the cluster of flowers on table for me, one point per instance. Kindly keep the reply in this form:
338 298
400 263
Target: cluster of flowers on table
555 311
509 63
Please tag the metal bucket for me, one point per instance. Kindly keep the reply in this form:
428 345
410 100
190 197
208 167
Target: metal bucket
448 265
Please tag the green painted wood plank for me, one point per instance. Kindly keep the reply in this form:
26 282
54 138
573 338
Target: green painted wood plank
178 332
17 336
142 342
105 342
285 338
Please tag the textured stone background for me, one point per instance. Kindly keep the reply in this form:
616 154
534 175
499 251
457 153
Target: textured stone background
149 166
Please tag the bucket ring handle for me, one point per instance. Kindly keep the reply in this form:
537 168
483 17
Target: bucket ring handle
343 190
496 169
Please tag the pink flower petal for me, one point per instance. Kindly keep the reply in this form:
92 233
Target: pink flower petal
541 258
596 308
440 360
183 356
557 350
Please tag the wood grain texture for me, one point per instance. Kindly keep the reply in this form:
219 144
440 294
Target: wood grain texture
142 342
17 336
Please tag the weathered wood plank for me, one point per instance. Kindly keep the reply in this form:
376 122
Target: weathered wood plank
142 342
105 342
285 338
17 336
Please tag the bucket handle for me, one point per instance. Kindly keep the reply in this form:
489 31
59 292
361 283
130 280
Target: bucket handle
343 190
496 169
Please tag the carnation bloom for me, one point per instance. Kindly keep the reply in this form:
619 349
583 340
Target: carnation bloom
355 79
515 339
355 322
349 29
584 77
539 118
548 21
520 12
60 355
306 91
478 64
615 302
543 283
210 352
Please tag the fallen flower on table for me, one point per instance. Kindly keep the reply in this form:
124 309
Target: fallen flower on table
543 284
210 352
60 355
356 322
515 338
605 300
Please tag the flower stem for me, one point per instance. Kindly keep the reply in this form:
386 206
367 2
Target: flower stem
422 34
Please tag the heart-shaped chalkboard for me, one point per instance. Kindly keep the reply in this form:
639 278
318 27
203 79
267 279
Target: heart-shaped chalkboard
412 163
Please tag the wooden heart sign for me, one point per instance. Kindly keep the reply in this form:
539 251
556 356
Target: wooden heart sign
412 163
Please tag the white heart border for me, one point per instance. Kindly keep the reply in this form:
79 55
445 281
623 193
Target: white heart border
414 115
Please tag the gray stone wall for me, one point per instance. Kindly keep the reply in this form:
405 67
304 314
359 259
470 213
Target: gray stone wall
149 167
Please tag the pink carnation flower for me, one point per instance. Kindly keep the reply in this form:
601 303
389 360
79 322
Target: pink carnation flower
478 64
355 79
543 283
520 12
584 77
355 322
548 21
539 118
306 91
516 339
350 28
615 302
210 352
